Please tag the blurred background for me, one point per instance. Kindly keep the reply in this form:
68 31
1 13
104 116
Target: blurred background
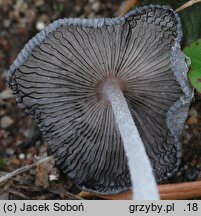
21 141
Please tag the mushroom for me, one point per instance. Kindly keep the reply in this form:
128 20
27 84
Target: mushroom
110 95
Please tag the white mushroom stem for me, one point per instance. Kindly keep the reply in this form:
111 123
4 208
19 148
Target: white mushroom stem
142 179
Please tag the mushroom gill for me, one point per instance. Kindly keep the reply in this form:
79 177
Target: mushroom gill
61 80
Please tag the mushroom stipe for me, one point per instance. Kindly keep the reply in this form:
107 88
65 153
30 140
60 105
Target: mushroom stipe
93 84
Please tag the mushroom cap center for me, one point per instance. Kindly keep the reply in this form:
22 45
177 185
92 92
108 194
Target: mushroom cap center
108 84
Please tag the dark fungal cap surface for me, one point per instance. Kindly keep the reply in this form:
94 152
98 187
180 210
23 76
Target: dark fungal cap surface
59 84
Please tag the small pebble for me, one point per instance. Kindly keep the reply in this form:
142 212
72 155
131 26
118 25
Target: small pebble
10 151
39 3
96 6
193 162
2 134
6 23
4 74
40 25
6 122
38 143
3 111
22 156
19 142
192 174
179 173
91 15
6 94
199 175
193 112
192 120
29 156
78 8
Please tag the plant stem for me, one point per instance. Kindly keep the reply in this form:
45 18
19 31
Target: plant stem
187 4
142 178
24 169
128 5
175 191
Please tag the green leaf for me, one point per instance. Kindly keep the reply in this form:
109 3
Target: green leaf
194 53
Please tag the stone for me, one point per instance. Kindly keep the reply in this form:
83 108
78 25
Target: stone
6 122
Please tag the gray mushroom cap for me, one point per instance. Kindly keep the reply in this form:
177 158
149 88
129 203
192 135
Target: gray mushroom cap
57 79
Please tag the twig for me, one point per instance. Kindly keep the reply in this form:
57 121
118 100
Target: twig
129 4
4 196
177 191
186 190
72 196
27 188
187 4
3 173
24 169
18 194
50 196
66 193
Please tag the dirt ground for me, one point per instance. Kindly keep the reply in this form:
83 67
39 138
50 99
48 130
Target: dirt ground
21 142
